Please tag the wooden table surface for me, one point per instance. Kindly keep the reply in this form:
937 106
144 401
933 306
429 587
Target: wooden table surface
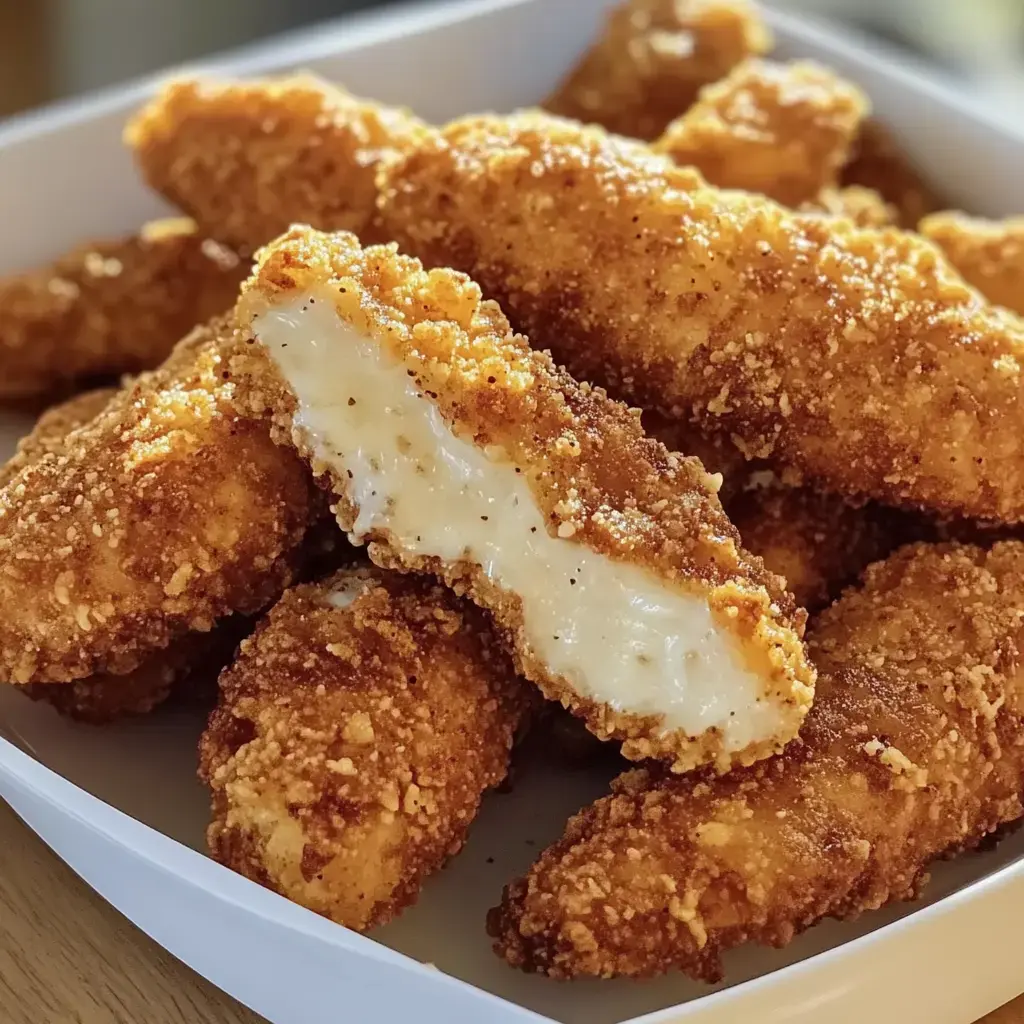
66 957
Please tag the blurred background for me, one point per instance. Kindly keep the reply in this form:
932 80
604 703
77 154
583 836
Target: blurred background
55 48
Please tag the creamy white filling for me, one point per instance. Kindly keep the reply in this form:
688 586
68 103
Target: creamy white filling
615 631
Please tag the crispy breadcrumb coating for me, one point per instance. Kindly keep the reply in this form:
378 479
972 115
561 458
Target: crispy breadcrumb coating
818 542
780 129
914 749
880 164
653 57
52 428
102 699
355 735
111 307
214 149
168 511
864 206
857 357
989 254
597 481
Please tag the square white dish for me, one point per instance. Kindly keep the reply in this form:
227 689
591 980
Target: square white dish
122 805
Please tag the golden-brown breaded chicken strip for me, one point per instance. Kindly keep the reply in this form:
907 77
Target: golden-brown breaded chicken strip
106 698
167 511
455 448
780 129
815 540
988 253
880 165
653 57
355 735
914 749
864 206
52 428
214 150
857 357
111 307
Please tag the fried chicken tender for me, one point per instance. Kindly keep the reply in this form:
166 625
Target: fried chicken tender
102 699
169 510
880 165
914 749
355 735
988 254
454 448
51 430
111 307
857 357
214 150
815 540
780 129
652 59
864 206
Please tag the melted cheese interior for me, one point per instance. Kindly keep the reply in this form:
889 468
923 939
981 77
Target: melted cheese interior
616 632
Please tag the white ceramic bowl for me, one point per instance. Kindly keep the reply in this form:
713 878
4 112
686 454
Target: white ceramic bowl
122 805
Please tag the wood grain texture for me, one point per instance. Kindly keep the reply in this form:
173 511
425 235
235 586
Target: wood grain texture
67 957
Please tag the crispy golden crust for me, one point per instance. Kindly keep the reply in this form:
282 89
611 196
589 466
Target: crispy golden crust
816 541
352 745
914 749
780 129
988 254
111 307
652 59
597 479
855 356
880 164
248 159
53 426
163 514
864 206
102 699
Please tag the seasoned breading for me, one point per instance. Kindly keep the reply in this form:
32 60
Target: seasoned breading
455 448
914 749
653 57
355 735
780 129
988 254
102 699
51 430
864 206
111 307
880 164
214 150
169 510
857 357
815 540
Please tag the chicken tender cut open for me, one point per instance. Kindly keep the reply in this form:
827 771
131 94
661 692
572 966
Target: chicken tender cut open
112 307
651 59
356 733
913 750
780 129
169 510
454 448
857 357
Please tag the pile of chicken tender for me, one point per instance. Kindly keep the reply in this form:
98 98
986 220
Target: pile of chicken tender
676 420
